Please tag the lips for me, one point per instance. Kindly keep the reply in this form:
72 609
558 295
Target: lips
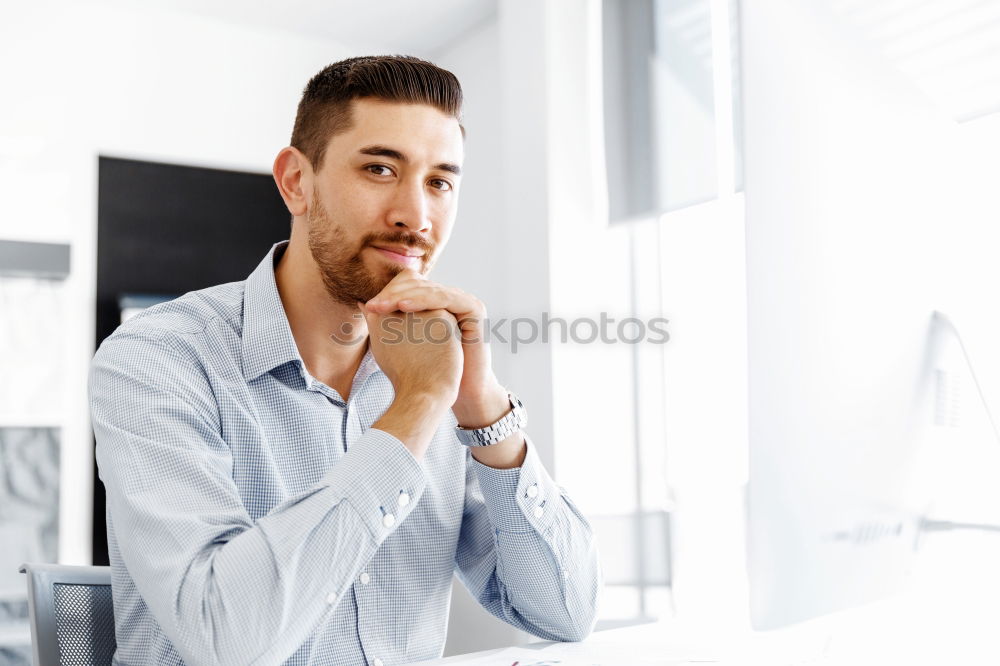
399 250
400 255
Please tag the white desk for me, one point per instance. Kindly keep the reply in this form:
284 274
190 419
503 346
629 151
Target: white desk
658 644
900 631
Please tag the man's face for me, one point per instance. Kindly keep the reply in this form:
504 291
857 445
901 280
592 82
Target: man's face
385 197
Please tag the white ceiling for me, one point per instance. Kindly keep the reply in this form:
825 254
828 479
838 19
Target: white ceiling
949 48
418 27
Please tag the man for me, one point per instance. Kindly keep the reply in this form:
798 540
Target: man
283 457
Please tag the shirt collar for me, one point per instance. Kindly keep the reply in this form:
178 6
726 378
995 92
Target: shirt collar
267 337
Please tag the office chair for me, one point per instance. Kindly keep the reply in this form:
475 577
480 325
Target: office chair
71 614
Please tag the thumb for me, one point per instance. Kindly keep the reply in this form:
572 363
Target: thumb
366 313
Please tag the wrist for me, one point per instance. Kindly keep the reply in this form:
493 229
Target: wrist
413 418
500 443
481 410
423 401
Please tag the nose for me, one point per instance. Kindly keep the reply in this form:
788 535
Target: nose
410 208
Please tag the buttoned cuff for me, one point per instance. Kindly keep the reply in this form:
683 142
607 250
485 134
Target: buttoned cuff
521 499
380 479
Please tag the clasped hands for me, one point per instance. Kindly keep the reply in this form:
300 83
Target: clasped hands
421 354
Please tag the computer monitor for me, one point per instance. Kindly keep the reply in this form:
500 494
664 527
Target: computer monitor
850 184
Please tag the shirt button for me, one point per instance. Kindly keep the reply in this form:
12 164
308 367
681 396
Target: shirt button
365 578
388 520
404 499
377 662
539 511
331 598
533 490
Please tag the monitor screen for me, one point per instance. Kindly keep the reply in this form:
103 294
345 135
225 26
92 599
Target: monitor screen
853 194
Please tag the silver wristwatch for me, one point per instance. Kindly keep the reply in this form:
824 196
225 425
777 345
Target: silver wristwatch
508 424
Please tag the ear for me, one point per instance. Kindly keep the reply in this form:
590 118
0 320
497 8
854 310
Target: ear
294 177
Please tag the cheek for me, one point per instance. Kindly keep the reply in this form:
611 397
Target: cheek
353 212
441 235
447 222
345 206
351 196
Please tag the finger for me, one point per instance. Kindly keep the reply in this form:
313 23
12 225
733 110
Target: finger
465 310
418 299
366 312
399 283
389 297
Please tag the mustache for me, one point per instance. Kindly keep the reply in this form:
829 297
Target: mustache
400 238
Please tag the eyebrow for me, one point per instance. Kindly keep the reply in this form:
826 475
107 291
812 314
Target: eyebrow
392 153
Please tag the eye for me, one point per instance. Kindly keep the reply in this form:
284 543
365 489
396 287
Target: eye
378 169
441 184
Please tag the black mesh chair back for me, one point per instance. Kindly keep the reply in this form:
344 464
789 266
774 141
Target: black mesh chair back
71 613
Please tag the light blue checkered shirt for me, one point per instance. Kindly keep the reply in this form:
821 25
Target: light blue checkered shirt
248 504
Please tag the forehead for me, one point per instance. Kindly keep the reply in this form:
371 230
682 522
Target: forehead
419 131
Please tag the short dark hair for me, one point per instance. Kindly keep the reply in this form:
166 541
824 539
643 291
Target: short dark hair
325 107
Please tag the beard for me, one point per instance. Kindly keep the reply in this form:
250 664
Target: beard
346 277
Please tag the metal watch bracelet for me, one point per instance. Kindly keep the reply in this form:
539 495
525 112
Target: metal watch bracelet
509 423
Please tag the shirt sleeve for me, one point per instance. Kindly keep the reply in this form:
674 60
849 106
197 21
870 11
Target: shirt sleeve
226 589
526 552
